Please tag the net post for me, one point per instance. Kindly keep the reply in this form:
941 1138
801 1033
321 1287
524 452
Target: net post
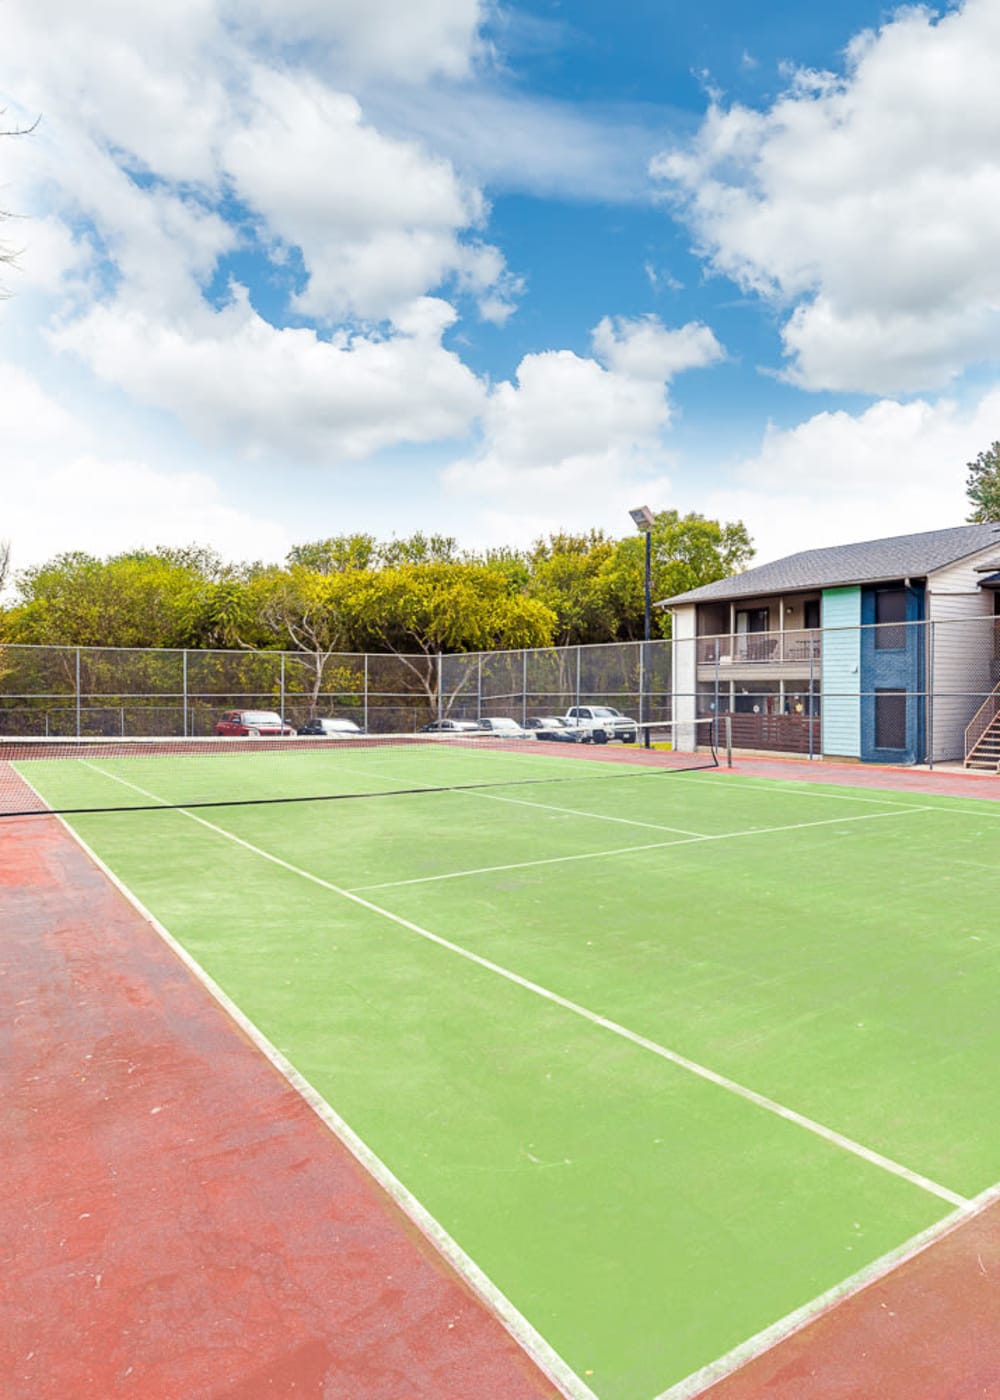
644 706
715 708
929 688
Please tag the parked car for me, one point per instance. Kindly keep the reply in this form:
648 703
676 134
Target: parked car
253 724
604 723
451 726
505 728
331 729
555 729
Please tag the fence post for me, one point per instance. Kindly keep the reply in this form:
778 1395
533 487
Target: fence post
809 717
642 682
716 707
578 652
365 702
184 691
78 692
281 683
479 686
440 686
524 689
929 686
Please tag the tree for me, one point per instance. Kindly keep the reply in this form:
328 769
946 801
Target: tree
130 600
8 255
567 576
687 551
305 608
983 485
336 555
416 611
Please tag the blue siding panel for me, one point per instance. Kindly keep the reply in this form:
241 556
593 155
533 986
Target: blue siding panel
842 672
898 668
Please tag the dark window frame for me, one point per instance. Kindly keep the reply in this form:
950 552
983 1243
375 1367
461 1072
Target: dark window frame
890 632
890 724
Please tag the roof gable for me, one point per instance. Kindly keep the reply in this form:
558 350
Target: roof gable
901 556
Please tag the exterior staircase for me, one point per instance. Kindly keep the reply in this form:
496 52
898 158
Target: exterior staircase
982 736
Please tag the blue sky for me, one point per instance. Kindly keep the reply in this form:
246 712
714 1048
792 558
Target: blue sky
291 268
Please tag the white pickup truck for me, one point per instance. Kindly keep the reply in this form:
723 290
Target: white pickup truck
604 723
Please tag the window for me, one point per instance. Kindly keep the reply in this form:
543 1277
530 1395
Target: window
751 620
890 609
890 719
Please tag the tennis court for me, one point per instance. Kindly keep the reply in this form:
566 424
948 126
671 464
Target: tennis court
663 1060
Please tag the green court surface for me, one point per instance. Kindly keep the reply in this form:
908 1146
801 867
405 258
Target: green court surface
669 1055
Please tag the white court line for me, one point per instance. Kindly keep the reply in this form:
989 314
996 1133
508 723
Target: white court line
702 1380
548 1360
575 812
624 850
829 1135
800 787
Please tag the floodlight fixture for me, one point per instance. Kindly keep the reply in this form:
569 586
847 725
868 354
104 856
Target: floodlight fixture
643 518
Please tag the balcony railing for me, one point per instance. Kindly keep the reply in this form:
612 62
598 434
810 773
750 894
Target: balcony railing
761 648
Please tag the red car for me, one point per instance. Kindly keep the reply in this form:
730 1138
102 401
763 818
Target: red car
253 724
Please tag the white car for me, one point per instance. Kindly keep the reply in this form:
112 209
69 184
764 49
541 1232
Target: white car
504 728
604 723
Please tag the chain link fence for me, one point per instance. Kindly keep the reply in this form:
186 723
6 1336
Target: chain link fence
905 692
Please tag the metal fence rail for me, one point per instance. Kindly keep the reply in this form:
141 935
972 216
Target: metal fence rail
790 691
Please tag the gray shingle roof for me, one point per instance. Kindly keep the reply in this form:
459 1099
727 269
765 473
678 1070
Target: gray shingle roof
902 556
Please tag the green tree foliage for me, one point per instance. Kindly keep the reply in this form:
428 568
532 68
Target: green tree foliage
351 593
339 554
983 485
568 576
163 598
131 600
687 552
437 607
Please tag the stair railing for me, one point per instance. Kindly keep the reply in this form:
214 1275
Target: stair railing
981 721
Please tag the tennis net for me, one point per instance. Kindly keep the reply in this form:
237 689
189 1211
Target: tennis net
66 776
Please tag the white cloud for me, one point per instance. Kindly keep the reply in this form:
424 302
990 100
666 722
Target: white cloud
575 441
233 378
410 42
645 349
869 201
152 125
896 468
64 489
377 219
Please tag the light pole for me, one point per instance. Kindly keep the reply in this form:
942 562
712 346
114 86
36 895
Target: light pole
643 518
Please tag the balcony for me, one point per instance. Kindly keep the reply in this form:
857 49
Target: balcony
765 655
